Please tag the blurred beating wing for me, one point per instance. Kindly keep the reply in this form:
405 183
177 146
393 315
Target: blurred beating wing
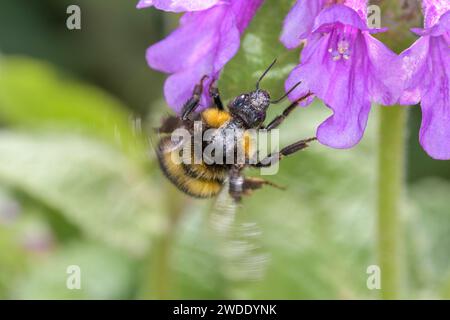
244 258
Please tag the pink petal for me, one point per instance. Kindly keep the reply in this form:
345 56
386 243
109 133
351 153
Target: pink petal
415 71
360 6
244 11
435 129
338 13
196 37
347 96
441 27
179 86
433 10
178 5
204 42
341 85
383 76
202 45
299 22
347 68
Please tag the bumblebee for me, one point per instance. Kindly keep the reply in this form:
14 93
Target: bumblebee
245 112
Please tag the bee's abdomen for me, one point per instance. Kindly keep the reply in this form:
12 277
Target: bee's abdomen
205 172
198 181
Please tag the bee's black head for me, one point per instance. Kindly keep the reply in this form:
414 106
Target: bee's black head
251 107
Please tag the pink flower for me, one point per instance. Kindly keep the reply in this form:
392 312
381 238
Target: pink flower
426 65
342 64
207 38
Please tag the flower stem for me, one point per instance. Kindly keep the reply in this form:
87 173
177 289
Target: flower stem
391 166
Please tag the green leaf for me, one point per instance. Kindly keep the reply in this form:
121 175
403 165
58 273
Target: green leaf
95 187
104 274
34 95
260 45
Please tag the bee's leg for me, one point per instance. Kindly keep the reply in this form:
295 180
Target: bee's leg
279 119
215 95
275 157
236 183
193 102
252 183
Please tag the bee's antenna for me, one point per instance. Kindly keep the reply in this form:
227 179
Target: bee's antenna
287 93
265 73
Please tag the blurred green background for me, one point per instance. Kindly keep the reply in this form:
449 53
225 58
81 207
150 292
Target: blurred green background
79 184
